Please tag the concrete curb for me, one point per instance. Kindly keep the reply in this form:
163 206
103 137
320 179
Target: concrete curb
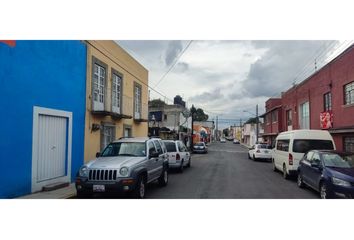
62 193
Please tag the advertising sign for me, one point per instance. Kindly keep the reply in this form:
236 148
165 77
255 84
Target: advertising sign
326 119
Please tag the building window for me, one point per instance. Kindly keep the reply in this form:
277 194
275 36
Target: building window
327 101
137 101
348 144
98 84
116 93
127 131
289 118
165 117
304 116
107 135
349 93
274 116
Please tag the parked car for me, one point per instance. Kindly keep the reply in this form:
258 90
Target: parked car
236 141
200 147
126 165
177 154
259 151
291 146
331 173
222 140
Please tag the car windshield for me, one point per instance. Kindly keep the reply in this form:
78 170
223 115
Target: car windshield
171 146
200 144
339 161
262 146
305 145
134 149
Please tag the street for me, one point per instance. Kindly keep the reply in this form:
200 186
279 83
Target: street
225 172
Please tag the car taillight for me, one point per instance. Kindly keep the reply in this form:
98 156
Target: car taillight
178 157
290 159
258 151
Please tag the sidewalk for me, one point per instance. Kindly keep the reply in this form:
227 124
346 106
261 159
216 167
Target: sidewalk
62 193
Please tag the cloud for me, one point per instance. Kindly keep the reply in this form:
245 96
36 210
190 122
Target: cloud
277 68
207 96
173 50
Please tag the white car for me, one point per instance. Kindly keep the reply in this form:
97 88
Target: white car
291 146
222 140
260 151
178 155
236 141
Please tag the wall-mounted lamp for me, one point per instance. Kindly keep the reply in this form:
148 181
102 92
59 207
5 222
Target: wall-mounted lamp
95 127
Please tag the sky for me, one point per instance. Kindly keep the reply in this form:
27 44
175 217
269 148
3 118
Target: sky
229 78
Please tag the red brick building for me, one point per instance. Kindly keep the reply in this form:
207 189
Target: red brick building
325 100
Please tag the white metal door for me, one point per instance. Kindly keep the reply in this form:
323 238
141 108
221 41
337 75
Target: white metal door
52 132
51 154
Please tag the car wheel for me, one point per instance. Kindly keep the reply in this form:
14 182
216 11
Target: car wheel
249 157
163 179
189 163
181 168
324 193
285 174
273 166
139 190
300 182
254 158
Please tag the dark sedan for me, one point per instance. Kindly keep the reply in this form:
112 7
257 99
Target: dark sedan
331 173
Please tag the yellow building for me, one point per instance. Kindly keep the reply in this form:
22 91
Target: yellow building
116 96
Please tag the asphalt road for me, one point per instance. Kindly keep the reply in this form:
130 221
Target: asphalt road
227 173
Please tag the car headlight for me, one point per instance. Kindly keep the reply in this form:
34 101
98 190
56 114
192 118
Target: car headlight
83 171
124 171
340 182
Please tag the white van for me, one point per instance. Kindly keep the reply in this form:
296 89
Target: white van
291 146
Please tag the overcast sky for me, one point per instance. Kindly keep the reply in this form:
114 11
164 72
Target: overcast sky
227 77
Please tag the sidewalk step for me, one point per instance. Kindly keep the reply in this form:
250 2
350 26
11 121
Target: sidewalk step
55 186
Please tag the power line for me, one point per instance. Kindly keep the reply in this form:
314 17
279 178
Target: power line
175 62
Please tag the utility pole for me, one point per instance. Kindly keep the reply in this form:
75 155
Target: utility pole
257 123
192 113
217 132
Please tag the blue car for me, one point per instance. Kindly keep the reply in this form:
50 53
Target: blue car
331 173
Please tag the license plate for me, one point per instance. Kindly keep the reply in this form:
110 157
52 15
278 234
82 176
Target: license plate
98 188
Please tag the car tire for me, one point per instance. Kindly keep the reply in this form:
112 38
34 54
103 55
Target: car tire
163 179
285 174
300 182
140 188
324 193
254 158
249 157
189 163
273 166
181 168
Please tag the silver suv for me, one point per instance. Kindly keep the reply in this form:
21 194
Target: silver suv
125 165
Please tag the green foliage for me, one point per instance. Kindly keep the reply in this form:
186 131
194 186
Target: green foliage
251 120
198 114
157 103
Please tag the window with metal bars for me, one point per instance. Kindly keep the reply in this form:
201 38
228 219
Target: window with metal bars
349 93
327 101
348 144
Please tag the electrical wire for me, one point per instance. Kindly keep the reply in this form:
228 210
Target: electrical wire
174 63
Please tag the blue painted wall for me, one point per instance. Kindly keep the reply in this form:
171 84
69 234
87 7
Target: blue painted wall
50 74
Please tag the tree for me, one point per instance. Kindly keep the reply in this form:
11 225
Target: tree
156 103
251 120
198 114
225 132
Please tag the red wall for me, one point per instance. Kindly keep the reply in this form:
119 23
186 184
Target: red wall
331 78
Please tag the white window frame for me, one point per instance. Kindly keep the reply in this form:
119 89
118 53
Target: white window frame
137 101
99 84
117 81
35 187
304 117
349 93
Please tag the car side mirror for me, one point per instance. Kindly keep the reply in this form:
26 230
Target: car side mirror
153 154
98 154
316 165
